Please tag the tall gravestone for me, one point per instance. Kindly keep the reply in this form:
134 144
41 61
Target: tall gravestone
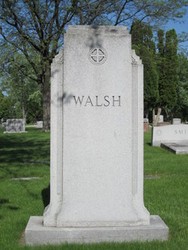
96 143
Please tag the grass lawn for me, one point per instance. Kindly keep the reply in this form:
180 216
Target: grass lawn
27 155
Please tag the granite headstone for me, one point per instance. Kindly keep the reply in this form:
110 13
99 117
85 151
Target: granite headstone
96 143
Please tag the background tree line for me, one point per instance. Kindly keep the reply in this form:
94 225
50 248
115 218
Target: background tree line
31 33
165 72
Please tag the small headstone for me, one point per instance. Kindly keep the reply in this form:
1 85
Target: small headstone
96 144
146 124
170 134
161 119
176 121
14 126
39 124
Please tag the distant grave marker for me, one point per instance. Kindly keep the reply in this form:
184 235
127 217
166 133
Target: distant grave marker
39 124
14 126
176 121
170 134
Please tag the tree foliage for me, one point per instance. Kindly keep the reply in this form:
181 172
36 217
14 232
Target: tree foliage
36 27
181 108
142 39
6 107
167 69
19 83
164 87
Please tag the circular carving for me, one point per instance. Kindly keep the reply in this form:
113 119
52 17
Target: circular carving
159 132
97 55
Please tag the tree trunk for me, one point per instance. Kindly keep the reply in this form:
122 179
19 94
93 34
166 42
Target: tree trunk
46 97
24 114
156 118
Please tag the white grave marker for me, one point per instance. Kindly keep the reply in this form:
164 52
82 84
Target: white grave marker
176 121
96 143
170 134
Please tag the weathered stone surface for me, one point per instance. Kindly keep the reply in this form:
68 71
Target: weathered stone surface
37 234
14 125
102 146
96 175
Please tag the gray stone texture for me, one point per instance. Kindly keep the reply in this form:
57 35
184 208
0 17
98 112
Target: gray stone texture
14 125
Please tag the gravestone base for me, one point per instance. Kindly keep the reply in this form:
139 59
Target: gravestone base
37 234
178 148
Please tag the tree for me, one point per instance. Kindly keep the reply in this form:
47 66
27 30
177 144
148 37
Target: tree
6 107
38 26
167 69
142 39
181 108
19 83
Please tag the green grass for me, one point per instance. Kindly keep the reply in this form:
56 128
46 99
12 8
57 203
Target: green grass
27 155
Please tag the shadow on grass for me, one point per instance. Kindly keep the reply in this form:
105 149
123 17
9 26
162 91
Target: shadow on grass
7 171
14 208
46 196
3 201
18 149
6 203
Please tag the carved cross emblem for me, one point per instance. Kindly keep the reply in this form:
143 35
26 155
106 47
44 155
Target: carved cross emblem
97 56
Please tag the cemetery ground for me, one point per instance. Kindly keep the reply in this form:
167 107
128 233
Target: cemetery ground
24 181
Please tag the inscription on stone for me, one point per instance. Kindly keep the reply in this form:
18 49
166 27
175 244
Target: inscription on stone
181 131
97 101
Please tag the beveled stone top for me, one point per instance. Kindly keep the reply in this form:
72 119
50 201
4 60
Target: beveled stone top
115 30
